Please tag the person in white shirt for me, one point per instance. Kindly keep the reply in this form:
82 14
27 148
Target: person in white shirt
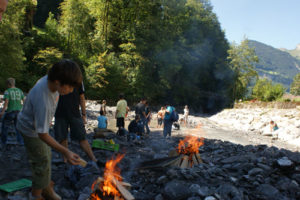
186 115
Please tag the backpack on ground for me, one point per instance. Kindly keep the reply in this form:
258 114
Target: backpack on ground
174 116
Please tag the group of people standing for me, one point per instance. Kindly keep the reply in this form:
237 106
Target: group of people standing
61 93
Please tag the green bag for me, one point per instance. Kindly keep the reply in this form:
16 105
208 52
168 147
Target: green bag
16 185
100 144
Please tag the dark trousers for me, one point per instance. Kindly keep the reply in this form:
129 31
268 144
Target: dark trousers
8 119
167 127
145 123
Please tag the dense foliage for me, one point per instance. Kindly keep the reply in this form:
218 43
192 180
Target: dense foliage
242 61
170 50
295 86
265 90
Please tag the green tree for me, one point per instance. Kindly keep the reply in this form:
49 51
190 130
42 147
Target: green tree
295 86
265 90
165 50
242 60
76 26
11 35
45 58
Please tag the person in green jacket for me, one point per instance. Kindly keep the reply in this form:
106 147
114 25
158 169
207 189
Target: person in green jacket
13 100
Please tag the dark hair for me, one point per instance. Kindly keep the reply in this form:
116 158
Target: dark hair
101 112
121 96
67 72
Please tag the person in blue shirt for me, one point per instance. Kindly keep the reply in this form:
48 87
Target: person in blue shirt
167 121
102 121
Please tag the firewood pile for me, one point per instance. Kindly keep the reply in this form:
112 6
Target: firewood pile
111 185
187 152
186 155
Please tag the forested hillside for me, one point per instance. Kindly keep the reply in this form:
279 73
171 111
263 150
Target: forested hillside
171 50
275 64
294 52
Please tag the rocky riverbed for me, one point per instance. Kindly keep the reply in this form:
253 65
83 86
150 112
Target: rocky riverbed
238 164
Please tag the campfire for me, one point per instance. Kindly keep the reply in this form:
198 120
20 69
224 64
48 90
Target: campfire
111 187
188 152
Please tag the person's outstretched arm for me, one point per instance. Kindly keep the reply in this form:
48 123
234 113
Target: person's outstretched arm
83 108
73 158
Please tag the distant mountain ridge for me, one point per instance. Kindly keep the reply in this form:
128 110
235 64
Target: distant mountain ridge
295 52
278 65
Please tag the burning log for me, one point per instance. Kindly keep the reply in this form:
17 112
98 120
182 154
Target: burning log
195 161
125 193
186 155
125 184
197 155
185 162
111 186
189 151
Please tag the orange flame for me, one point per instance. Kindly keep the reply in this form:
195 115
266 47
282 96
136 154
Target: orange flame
111 174
189 145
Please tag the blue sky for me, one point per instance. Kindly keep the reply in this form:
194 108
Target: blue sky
273 22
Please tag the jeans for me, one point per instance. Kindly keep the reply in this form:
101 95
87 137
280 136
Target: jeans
167 127
145 123
8 118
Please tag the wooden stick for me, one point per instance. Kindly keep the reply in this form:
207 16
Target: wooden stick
177 162
195 161
185 162
125 193
82 163
198 158
170 162
96 186
125 184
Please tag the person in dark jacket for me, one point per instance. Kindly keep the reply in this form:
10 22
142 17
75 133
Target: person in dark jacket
135 128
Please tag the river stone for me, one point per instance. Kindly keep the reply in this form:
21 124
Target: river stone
232 159
69 194
295 158
176 190
83 196
228 191
159 197
162 179
284 162
198 190
210 198
296 177
264 167
268 191
255 171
